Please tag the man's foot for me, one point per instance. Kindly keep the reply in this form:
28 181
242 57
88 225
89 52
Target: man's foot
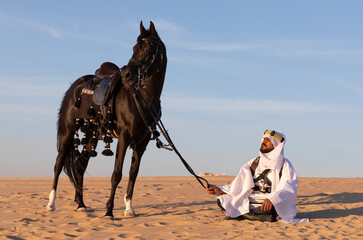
239 218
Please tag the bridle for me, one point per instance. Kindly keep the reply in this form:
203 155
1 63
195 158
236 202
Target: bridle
143 69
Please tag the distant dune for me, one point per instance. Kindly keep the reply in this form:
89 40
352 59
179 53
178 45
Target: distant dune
172 208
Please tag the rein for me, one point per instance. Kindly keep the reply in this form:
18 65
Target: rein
157 120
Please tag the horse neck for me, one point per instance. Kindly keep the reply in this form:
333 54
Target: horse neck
154 85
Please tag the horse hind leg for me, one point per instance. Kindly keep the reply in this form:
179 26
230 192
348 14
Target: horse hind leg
139 150
63 150
82 164
57 170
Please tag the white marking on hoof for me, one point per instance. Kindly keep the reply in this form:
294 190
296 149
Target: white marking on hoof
51 205
82 209
129 210
50 208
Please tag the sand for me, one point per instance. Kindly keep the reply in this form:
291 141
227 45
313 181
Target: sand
172 208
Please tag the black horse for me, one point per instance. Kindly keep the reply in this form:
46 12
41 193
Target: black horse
145 75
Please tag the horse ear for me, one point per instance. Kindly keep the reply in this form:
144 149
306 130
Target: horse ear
152 29
142 29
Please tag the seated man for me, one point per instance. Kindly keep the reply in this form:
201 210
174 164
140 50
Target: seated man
265 188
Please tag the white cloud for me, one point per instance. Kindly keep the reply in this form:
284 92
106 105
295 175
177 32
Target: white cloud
274 47
38 26
162 26
241 105
16 88
26 109
217 47
329 52
349 86
166 26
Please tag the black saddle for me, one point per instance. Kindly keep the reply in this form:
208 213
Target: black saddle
106 70
102 78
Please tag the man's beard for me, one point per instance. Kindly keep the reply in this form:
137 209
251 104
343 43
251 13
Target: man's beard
265 150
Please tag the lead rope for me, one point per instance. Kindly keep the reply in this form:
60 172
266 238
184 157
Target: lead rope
160 125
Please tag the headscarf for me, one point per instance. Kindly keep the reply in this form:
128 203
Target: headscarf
274 159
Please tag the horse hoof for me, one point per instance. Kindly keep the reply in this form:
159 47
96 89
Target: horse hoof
81 209
129 213
50 208
108 217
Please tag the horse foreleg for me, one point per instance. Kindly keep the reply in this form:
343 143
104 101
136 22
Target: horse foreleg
139 150
122 145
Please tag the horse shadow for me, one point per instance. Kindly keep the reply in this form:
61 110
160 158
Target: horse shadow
339 198
168 208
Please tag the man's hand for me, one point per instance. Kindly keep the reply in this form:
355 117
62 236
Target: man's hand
266 205
214 190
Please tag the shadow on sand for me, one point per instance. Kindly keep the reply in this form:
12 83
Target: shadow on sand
323 198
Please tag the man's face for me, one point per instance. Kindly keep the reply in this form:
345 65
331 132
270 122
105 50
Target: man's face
266 146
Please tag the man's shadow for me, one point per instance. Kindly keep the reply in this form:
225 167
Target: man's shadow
323 198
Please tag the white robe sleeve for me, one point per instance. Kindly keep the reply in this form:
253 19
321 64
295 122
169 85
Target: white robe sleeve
285 194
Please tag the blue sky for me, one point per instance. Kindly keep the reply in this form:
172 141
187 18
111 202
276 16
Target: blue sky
234 70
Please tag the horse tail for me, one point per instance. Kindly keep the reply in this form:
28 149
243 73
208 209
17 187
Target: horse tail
74 165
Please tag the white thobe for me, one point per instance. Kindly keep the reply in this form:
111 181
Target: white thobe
283 193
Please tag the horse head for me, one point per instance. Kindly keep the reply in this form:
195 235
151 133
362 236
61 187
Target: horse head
148 59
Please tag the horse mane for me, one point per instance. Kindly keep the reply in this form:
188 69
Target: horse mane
115 87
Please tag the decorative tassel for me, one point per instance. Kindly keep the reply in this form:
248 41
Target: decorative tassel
107 139
77 104
107 151
98 118
76 152
78 123
91 124
94 125
84 141
76 141
84 126
94 140
85 153
92 111
109 125
108 116
93 153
